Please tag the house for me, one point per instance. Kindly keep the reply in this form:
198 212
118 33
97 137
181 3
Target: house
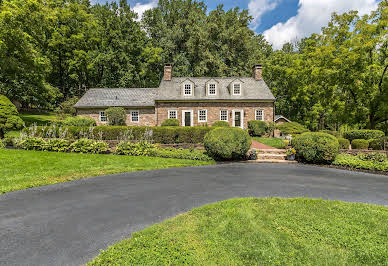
279 119
193 101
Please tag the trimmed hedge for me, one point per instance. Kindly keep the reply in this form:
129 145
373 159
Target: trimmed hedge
378 144
363 134
332 132
77 121
292 128
316 147
225 143
164 135
171 122
257 128
360 144
221 124
344 143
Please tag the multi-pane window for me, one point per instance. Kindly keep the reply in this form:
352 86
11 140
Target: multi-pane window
224 115
259 115
236 89
134 116
103 117
187 89
172 114
212 89
202 115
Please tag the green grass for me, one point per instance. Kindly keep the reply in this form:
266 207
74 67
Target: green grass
273 142
261 232
21 169
41 119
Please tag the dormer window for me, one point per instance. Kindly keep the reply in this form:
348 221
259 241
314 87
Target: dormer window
237 89
212 89
187 90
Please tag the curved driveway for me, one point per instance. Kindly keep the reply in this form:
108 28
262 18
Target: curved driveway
69 223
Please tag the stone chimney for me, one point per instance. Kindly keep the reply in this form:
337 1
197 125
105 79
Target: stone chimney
257 72
167 72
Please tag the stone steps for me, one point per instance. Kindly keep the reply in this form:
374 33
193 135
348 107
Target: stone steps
273 156
275 161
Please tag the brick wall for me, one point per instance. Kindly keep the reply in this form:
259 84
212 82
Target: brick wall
147 116
213 110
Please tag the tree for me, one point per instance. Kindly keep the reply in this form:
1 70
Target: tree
9 118
116 116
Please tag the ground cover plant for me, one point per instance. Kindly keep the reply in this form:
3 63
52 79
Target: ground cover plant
256 231
372 162
273 142
20 169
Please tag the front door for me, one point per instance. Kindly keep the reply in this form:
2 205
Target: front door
238 118
187 118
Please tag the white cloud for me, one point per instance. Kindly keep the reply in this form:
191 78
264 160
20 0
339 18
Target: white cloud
312 16
258 7
141 8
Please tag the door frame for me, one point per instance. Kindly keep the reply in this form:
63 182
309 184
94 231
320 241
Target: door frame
242 117
191 117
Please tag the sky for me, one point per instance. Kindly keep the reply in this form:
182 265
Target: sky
280 21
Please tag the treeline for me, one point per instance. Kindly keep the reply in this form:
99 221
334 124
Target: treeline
51 50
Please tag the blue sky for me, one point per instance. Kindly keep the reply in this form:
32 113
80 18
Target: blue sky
281 20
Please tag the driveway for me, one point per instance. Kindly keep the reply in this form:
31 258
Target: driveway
69 223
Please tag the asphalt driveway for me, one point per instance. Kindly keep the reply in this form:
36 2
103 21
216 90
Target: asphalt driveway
67 224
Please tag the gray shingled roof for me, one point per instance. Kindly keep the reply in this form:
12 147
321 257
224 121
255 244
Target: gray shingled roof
123 97
277 117
251 89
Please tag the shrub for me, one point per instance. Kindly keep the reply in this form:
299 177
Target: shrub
227 143
363 134
67 107
360 144
332 132
378 144
34 143
89 146
9 116
343 143
221 124
172 122
77 121
292 128
58 145
352 161
189 154
135 149
116 116
257 128
2 144
376 157
316 147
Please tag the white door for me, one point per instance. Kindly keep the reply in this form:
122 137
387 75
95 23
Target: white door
187 118
238 118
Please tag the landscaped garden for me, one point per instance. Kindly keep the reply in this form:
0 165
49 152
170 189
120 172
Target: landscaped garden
261 232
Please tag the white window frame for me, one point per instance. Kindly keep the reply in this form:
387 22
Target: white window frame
242 118
169 114
234 84
138 116
227 115
191 117
102 115
199 116
215 89
257 115
184 89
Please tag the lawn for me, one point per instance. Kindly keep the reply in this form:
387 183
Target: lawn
41 119
21 169
273 142
261 232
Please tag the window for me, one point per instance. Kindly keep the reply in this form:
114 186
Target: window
237 89
187 90
259 115
172 114
202 115
224 115
212 89
134 116
103 117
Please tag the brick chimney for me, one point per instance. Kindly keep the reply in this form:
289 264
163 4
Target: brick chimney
257 72
167 72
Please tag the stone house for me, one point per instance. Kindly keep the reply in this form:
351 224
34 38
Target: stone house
193 101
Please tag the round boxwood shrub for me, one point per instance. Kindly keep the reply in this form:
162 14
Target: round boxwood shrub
363 134
378 144
257 128
171 122
360 144
344 143
316 147
221 124
116 116
9 116
227 143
